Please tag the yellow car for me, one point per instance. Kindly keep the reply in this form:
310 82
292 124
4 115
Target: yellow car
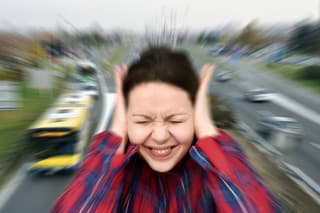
59 138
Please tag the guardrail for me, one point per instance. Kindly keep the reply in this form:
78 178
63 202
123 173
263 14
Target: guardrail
294 173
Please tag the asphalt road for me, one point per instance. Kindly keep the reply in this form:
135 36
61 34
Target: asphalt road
293 101
306 156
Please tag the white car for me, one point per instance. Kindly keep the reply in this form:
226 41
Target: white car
89 89
258 95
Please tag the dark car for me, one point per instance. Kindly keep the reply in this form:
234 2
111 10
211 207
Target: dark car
223 76
283 132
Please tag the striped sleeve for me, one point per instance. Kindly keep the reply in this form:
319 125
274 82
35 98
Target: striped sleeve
102 149
226 157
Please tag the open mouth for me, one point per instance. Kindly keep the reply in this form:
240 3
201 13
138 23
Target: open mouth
161 152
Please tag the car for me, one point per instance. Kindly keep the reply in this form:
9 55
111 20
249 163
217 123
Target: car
223 76
89 88
258 95
76 78
281 130
87 71
59 138
86 66
74 99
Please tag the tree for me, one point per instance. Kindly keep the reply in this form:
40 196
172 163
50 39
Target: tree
305 38
36 53
208 37
251 36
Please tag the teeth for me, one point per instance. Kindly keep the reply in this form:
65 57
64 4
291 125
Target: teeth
161 151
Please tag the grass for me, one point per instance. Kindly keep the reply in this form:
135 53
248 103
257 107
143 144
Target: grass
221 113
312 85
9 75
13 125
288 71
293 73
15 122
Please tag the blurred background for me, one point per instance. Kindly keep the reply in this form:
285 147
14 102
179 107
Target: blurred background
57 89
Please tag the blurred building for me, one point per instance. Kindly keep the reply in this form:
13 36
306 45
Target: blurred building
9 98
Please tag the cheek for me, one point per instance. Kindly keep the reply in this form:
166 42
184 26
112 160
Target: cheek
183 133
138 134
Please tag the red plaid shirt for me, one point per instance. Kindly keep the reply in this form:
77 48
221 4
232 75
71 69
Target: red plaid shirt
214 177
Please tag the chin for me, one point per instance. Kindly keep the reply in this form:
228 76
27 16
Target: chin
158 165
161 169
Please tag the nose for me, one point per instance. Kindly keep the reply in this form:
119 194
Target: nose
160 133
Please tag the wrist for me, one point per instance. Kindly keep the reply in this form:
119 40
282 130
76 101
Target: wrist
118 130
208 130
120 133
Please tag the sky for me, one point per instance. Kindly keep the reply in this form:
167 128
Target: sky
137 14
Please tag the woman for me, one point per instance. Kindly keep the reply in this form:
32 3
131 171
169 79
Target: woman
163 152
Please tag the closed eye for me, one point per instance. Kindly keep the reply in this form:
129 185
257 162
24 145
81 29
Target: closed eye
176 121
142 122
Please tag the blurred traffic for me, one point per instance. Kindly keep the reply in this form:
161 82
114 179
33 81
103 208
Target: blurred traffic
54 86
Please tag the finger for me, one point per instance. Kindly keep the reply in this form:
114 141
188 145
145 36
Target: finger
205 75
208 73
125 70
202 71
206 70
124 67
118 78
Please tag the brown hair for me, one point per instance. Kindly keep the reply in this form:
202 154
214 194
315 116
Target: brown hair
162 64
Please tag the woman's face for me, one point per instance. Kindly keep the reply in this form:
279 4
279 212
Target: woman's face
160 122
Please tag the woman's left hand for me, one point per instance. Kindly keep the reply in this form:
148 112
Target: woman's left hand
204 125
119 121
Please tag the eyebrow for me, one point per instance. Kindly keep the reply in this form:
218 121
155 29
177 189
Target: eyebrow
142 115
176 114
168 117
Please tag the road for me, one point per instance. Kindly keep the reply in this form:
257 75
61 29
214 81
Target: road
290 101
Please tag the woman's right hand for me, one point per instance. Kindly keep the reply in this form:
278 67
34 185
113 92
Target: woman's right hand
119 121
